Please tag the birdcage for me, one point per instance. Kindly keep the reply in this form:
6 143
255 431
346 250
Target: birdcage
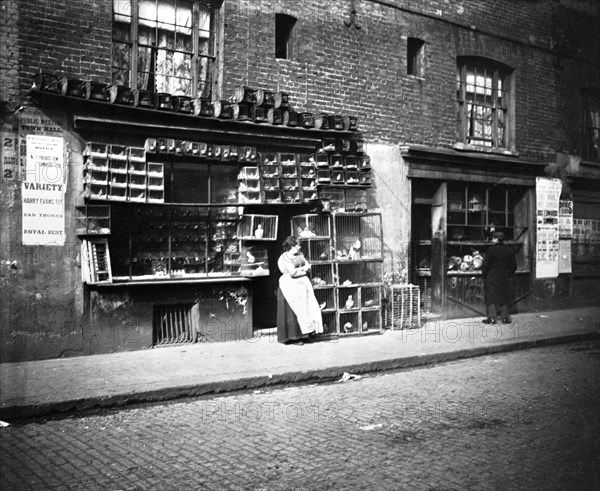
288 159
316 250
349 322
363 273
358 235
321 275
404 306
257 227
254 261
370 321
370 297
347 298
326 298
329 322
311 226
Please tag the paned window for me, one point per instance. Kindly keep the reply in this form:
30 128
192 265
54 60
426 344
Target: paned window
591 125
164 45
483 95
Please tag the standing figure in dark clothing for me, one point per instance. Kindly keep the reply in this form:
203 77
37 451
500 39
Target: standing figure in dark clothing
499 265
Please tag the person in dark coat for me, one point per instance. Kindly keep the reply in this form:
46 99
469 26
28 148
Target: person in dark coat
499 265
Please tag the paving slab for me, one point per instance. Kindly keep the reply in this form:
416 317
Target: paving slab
39 388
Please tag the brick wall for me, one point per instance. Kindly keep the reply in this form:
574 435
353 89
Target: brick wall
363 71
338 68
64 37
9 54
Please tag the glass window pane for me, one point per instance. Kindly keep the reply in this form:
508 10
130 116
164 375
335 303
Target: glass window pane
121 55
204 22
147 13
224 184
122 11
166 39
147 36
121 31
166 15
190 183
204 77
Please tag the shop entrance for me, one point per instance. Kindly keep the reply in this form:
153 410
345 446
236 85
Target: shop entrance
452 226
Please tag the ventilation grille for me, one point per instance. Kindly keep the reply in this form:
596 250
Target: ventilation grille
173 324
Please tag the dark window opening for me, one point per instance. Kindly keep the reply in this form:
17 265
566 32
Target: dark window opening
591 125
415 54
284 30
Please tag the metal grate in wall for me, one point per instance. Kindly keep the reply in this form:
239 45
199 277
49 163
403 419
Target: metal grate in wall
173 324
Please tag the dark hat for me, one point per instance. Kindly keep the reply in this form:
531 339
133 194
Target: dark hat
498 235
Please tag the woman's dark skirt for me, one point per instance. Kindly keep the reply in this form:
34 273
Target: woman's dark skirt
288 329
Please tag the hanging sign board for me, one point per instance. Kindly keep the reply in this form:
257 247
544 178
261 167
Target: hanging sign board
547 209
43 191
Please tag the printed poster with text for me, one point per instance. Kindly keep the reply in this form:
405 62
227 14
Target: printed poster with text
547 209
43 192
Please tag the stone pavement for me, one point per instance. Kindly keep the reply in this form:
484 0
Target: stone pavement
45 387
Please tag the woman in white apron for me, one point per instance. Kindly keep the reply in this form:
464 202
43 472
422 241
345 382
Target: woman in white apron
298 313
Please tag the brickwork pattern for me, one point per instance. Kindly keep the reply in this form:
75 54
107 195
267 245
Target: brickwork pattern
64 38
342 69
524 420
363 71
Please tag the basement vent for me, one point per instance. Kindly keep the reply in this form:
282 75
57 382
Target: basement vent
173 324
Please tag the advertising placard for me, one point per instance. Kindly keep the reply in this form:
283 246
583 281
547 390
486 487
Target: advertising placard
43 191
547 210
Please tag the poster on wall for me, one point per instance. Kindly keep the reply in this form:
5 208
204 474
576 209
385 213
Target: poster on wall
547 210
565 219
32 121
43 191
9 155
564 256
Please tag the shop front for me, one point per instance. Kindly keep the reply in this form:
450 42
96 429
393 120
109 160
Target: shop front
180 216
458 201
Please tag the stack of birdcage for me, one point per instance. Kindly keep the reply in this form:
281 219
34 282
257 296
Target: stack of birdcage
404 306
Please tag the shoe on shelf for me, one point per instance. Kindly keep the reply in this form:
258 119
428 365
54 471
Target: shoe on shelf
507 320
489 320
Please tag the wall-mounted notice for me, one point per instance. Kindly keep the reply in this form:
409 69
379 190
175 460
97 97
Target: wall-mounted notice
9 155
43 191
565 219
564 256
547 246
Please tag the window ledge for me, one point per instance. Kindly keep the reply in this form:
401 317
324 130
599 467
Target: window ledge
476 148
416 77
590 163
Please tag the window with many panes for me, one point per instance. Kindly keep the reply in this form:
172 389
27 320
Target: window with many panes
483 95
591 124
164 45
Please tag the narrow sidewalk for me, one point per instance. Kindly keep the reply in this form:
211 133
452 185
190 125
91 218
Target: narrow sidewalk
65 385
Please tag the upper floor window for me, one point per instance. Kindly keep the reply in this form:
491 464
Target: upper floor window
284 36
591 125
483 95
415 57
164 45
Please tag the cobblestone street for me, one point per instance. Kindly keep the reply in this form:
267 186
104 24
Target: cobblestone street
522 420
